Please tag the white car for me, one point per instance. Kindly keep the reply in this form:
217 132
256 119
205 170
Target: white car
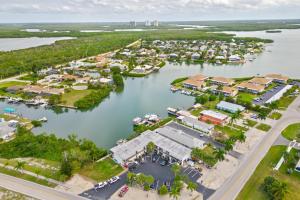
101 185
113 179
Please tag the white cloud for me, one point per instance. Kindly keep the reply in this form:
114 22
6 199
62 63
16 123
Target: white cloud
126 9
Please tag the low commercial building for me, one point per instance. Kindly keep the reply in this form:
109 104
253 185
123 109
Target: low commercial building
222 81
196 124
213 117
277 78
230 107
181 137
169 148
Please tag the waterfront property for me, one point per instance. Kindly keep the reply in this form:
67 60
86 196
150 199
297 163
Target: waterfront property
196 124
230 107
195 82
250 87
175 145
213 117
278 78
226 91
222 81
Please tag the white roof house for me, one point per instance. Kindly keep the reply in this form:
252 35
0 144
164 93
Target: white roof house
195 123
6 130
230 107
214 114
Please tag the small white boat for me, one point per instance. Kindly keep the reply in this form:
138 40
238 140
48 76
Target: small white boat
121 141
137 121
43 119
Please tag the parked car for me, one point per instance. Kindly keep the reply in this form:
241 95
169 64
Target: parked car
154 158
113 180
123 191
100 185
163 162
132 166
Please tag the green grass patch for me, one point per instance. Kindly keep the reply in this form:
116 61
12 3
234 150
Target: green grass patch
69 98
103 170
11 83
292 131
250 123
242 128
179 80
50 169
229 131
253 189
264 127
196 112
246 97
275 115
26 177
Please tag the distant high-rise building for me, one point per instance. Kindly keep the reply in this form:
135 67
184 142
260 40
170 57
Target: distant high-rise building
155 23
147 23
132 23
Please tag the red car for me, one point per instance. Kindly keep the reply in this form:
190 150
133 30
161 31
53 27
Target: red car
123 191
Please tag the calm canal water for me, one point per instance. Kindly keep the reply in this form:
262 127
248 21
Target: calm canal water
9 44
112 119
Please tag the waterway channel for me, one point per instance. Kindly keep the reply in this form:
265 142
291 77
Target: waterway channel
112 119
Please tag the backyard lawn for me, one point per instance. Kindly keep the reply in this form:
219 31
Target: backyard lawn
291 131
264 127
229 131
253 190
196 112
246 97
101 171
69 98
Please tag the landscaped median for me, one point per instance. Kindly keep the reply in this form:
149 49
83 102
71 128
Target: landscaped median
292 132
254 189
263 127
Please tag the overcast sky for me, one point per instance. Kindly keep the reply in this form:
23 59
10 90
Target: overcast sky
140 10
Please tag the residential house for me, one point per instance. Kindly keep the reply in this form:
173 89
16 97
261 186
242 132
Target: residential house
250 87
278 78
213 117
222 81
260 81
226 91
230 107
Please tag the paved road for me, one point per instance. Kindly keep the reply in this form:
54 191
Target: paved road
34 190
231 188
14 78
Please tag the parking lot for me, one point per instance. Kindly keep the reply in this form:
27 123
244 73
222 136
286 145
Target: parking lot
269 94
161 174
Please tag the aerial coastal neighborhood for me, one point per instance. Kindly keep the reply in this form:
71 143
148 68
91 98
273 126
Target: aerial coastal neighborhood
205 143
214 136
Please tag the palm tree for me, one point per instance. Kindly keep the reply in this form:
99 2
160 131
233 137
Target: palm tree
273 105
279 190
241 137
20 166
150 147
174 193
234 117
176 169
262 115
219 154
229 145
130 177
191 186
